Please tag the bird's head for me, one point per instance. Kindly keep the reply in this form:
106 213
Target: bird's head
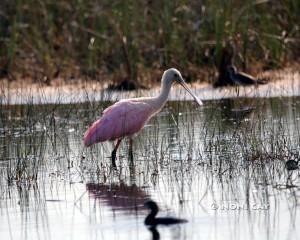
231 70
173 75
152 206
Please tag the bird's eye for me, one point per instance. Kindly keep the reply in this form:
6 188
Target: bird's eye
175 75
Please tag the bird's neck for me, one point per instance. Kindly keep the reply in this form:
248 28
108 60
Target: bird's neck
162 98
151 216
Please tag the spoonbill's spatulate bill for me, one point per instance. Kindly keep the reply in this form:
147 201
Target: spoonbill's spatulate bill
127 117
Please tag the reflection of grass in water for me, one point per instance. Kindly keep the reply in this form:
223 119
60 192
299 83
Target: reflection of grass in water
255 150
36 138
225 156
23 144
185 158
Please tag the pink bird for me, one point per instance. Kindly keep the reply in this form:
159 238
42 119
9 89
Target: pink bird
127 117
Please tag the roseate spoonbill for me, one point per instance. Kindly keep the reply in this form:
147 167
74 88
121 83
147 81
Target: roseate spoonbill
127 117
151 220
240 78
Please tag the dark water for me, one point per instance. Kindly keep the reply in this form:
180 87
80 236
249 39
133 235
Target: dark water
220 166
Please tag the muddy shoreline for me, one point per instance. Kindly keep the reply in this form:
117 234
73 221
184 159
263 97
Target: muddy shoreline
283 83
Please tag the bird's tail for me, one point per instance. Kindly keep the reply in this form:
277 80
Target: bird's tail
262 81
87 138
90 136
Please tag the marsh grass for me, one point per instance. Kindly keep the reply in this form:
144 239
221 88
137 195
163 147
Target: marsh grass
185 158
120 40
184 154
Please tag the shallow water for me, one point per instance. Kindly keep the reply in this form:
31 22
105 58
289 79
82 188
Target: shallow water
220 166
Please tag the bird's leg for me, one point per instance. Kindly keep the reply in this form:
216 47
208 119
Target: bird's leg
130 150
114 153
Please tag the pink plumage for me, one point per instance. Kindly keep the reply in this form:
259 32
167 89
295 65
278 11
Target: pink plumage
124 118
127 117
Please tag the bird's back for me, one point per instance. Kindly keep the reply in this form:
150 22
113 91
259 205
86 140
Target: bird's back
124 118
242 78
164 221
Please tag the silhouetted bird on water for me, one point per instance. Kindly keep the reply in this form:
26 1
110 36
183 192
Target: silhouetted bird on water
151 220
291 165
240 78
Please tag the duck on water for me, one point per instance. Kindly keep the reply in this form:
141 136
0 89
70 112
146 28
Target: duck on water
152 220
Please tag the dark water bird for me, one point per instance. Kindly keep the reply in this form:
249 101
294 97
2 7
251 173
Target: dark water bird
127 117
291 165
152 220
154 232
228 74
228 53
240 78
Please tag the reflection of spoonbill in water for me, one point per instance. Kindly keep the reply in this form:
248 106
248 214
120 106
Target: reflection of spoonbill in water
119 196
127 117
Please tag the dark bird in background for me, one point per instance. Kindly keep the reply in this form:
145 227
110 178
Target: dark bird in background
228 74
226 60
240 78
152 220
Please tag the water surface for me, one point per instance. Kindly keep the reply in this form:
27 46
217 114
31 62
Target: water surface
221 166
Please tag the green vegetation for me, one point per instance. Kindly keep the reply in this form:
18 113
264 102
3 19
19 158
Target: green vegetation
45 39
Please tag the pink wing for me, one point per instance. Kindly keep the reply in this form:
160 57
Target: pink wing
124 118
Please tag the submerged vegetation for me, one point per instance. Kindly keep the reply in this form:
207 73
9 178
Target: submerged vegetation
117 40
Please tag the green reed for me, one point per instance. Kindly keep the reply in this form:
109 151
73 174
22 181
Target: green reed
118 40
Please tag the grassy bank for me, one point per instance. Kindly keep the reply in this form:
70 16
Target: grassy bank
116 40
